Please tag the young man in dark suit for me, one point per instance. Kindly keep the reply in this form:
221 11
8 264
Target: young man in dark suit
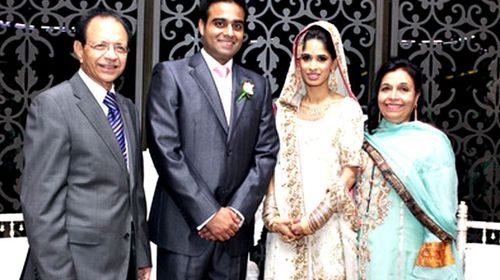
213 141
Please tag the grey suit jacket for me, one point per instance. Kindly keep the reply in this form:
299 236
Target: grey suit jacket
203 163
79 200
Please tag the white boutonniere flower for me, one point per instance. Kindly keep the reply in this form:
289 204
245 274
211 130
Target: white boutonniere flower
246 89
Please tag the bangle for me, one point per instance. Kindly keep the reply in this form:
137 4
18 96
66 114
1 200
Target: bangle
318 218
270 213
333 202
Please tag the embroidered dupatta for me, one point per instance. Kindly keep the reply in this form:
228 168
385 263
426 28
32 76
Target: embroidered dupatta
288 158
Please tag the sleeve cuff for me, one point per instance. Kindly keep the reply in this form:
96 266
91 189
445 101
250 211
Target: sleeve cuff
242 218
205 222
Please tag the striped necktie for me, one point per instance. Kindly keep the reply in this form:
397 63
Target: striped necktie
115 119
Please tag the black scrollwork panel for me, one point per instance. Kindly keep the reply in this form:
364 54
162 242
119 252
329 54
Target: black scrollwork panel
456 43
36 42
271 28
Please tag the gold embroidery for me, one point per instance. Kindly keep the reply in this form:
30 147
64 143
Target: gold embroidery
373 207
435 254
293 186
289 183
302 254
300 260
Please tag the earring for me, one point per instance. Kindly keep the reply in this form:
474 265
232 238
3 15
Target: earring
415 114
332 82
379 117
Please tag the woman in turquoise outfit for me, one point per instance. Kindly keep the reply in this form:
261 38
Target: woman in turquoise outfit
406 192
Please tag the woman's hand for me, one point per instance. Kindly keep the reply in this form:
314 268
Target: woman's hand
283 226
300 227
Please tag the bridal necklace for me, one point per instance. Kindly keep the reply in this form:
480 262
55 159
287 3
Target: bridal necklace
315 111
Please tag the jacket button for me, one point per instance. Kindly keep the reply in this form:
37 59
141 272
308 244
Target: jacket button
127 235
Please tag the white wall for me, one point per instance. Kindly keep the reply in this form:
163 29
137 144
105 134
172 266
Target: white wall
150 177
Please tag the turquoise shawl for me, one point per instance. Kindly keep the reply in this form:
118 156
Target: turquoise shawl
423 159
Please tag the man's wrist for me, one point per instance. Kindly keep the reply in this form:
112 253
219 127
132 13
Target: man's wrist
200 227
242 218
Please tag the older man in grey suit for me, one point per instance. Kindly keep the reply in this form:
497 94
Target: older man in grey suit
213 141
82 194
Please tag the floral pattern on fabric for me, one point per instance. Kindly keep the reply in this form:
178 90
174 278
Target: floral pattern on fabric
373 205
312 153
309 162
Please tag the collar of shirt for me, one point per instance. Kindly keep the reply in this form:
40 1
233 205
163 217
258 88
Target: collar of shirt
212 63
224 85
97 90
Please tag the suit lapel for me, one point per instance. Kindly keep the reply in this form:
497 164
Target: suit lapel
201 74
94 114
238 105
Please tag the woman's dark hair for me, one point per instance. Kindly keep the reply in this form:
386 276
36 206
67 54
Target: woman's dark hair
81 26
392 65
205 4
319 33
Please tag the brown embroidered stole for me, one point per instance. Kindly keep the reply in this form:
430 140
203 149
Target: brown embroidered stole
405 195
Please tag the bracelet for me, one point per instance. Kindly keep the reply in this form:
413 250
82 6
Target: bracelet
330 204
270 212
318 218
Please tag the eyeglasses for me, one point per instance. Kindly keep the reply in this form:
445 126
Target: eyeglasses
104 47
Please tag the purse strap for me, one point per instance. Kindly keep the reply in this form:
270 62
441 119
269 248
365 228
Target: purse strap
405 195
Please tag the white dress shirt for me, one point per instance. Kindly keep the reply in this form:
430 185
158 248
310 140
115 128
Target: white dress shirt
224 87
224 84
